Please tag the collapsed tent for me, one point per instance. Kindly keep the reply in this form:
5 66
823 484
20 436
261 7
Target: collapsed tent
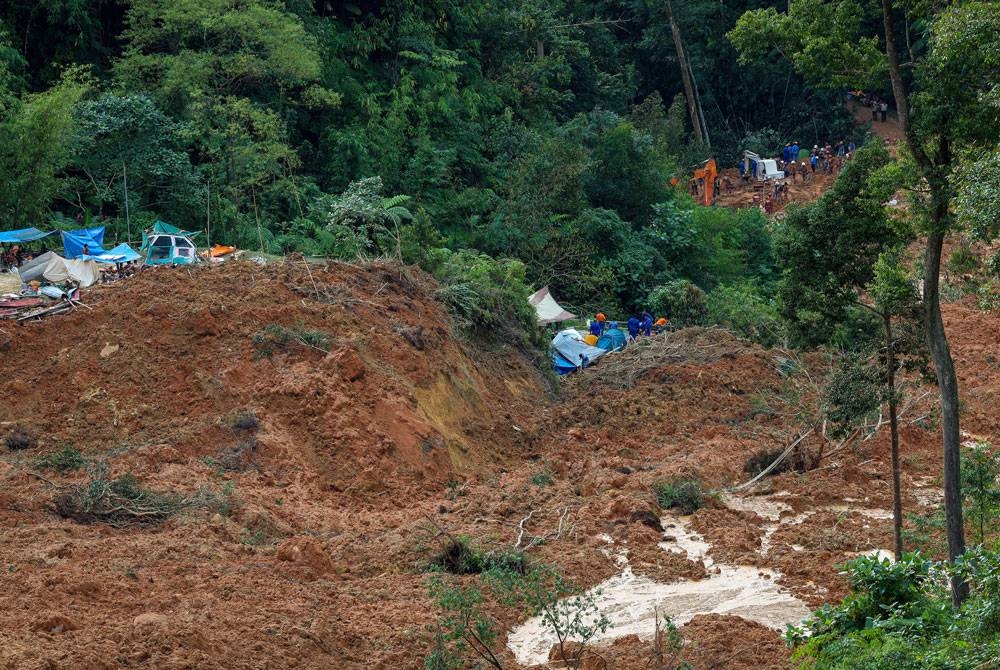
22 235
123 253
55 269
569 352
75 240
546 307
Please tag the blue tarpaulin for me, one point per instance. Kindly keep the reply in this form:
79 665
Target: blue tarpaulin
74 241
123 253
570 352
23 235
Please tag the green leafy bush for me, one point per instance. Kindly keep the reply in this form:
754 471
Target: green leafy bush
684 495
745 310
488 297
684 303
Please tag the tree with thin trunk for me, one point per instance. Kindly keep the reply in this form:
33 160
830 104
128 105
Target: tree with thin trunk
946 108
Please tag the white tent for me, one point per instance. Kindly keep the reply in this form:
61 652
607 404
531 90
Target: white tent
548 310
55 269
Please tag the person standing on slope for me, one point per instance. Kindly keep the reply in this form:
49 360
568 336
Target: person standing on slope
647 324
633 327
598 324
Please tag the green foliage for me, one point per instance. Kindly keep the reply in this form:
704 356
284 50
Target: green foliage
828 250
747 311
684 303
465 630
899 615
963 260
684 495
980 490
488 297
64 460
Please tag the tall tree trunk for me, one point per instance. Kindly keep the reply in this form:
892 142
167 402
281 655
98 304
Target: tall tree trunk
937 342
935 171
682 61
895 75
897 496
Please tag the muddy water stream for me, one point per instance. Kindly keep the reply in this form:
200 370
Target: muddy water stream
632 602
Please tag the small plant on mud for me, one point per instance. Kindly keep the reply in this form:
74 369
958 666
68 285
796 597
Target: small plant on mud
570 614
542 479
276 337
19 439
116 502
463 629
684 495
668 644
64 460
460 557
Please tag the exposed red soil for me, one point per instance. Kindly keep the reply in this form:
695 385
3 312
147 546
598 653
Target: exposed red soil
370 457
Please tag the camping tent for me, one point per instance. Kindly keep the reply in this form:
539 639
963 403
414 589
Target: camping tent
613 339
546 307
75 240
570 352
123 253
23 235
55 269
165 244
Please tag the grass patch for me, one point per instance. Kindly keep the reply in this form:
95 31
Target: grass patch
276 337
683 495
64 461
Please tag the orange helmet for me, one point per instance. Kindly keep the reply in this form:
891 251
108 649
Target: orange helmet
600 317
661 322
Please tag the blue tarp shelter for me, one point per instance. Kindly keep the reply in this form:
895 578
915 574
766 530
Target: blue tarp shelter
569 352
74 241
123 253
613 339
23 235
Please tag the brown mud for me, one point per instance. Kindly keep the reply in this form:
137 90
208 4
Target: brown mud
369 456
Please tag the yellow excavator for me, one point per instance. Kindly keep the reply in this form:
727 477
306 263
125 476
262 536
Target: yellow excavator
707 173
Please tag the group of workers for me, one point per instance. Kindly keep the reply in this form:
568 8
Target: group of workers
644 325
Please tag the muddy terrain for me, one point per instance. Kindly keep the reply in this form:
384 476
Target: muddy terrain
322 432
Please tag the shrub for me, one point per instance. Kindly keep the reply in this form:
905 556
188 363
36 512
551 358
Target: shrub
116 502
460 557
683 302
745 310
543 478
20 438
64 460
684 495
488 297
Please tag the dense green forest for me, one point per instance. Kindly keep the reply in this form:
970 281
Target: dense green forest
542 131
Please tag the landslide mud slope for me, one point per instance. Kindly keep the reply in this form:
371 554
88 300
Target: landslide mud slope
297 560
310 549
